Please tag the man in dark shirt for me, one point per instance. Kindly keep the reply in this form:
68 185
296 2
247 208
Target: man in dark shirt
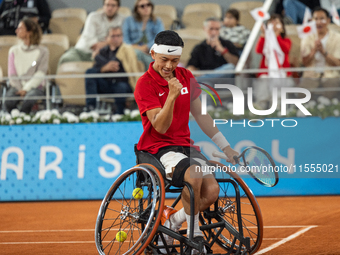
116 57
213 53
12 11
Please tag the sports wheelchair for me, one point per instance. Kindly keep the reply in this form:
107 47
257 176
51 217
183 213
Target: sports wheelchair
232 225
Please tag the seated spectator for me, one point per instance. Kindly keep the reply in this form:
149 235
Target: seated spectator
232 30
30 60
141 28
321 50
275 54
115 57
12 11
295 9
213 53
94 33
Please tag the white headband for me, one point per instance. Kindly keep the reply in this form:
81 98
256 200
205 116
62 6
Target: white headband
167 49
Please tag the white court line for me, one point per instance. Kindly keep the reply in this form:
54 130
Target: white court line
46 230
52 242
283 240
267 239
80 242
55 242
291 226
89 230
287 239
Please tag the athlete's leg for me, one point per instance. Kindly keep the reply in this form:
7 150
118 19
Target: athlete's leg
209 192
194 177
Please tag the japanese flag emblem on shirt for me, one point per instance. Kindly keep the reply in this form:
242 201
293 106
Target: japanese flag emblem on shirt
306 29
259 14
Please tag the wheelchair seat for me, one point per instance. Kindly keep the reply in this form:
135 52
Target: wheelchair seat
146 157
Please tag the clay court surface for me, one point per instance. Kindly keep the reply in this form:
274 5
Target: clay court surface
292 225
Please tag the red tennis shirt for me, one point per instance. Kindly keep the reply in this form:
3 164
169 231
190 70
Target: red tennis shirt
151 92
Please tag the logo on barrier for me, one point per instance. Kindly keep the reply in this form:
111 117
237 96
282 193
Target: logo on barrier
239 103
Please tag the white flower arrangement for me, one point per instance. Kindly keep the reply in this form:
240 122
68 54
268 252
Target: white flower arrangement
322 107
54 117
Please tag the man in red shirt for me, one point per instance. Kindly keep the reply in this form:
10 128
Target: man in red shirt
165 95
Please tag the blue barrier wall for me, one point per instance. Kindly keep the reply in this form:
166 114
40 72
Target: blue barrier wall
81 161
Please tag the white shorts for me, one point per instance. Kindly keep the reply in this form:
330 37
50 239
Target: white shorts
171 159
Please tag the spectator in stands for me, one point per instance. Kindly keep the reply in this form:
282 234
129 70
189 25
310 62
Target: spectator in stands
30 60
94 33
115 57
327 4
295 9
321 50
141 28
213 53
274 47
12 11
232 30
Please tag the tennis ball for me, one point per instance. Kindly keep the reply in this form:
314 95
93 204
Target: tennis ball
121 236
137 193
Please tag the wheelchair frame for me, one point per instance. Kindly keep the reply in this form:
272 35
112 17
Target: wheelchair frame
155 173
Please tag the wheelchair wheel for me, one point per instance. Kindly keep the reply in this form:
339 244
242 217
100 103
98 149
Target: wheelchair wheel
252 223
121 212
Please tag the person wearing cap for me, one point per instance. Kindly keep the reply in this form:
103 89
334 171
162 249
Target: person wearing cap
165 95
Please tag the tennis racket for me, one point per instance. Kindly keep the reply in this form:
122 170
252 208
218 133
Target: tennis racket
258 164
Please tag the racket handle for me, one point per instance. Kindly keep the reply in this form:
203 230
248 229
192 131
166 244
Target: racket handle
236 159
219 155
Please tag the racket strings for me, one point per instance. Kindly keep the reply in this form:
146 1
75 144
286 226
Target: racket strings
260 166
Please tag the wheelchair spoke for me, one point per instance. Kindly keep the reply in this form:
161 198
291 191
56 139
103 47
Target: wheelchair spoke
138 218
228 211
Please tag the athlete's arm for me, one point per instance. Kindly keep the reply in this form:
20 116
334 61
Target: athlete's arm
206 123
161 118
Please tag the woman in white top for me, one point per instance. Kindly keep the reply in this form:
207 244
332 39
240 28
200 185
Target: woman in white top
30 60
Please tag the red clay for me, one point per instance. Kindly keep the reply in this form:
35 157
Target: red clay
57 227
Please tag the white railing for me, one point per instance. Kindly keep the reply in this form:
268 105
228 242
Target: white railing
48 97
251 40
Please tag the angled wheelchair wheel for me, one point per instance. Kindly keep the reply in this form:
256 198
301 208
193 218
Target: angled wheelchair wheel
251 217
134 217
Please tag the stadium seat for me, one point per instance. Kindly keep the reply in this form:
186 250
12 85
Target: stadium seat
191 37
167 13
6 42
72 86
57 44
126 11
195 14
295 53
68 21
244 8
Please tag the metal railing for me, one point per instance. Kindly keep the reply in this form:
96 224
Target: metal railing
48 97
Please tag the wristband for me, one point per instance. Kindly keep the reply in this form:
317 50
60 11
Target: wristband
220 140
225 51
